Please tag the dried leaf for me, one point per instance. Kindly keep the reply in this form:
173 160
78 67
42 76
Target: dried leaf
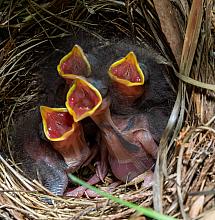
169 26
197 207
191 36
209 215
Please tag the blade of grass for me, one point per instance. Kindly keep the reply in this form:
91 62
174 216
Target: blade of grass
192 81
144 211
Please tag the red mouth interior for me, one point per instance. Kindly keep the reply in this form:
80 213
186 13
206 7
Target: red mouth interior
126 70
58 123
82 99
75 64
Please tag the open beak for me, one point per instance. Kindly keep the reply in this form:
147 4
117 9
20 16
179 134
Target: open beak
74 64
127 71
58 124
126 85
66 136
82 99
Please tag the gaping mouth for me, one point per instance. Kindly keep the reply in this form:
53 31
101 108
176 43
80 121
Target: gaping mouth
82 99
58 124
74 64
127 71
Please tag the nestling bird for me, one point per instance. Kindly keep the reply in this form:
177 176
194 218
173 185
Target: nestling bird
131 147
67 137
36 157
128 97
83 100
158 87
151 107
126 84
131 150
74 64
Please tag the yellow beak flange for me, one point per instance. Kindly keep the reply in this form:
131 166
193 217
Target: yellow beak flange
127 71
83 99
74 64
58 124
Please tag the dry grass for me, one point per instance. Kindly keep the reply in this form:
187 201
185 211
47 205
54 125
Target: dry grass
185 172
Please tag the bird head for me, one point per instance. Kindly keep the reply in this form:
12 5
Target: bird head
127 71
82 99
58 124
74 64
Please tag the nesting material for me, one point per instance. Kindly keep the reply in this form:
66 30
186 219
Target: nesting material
29 53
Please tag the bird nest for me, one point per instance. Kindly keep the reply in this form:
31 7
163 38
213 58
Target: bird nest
184 175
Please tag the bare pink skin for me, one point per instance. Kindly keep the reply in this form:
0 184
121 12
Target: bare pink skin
132 150
124 166
76 154
91 194
101 172
74 149
80 191
148 180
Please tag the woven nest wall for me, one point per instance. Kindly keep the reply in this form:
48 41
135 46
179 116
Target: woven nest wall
184 175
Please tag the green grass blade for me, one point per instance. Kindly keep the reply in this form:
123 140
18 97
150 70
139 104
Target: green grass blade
144 211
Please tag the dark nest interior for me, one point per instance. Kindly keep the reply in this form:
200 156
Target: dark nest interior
35 35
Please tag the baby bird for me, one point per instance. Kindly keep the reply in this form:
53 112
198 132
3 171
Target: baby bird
83 99
131 147
36 157
74 64
126 84
145 111
131 150
66 136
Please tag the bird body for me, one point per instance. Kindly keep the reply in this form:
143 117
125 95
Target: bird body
129 126
66 136
131 148
36 157
129 162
